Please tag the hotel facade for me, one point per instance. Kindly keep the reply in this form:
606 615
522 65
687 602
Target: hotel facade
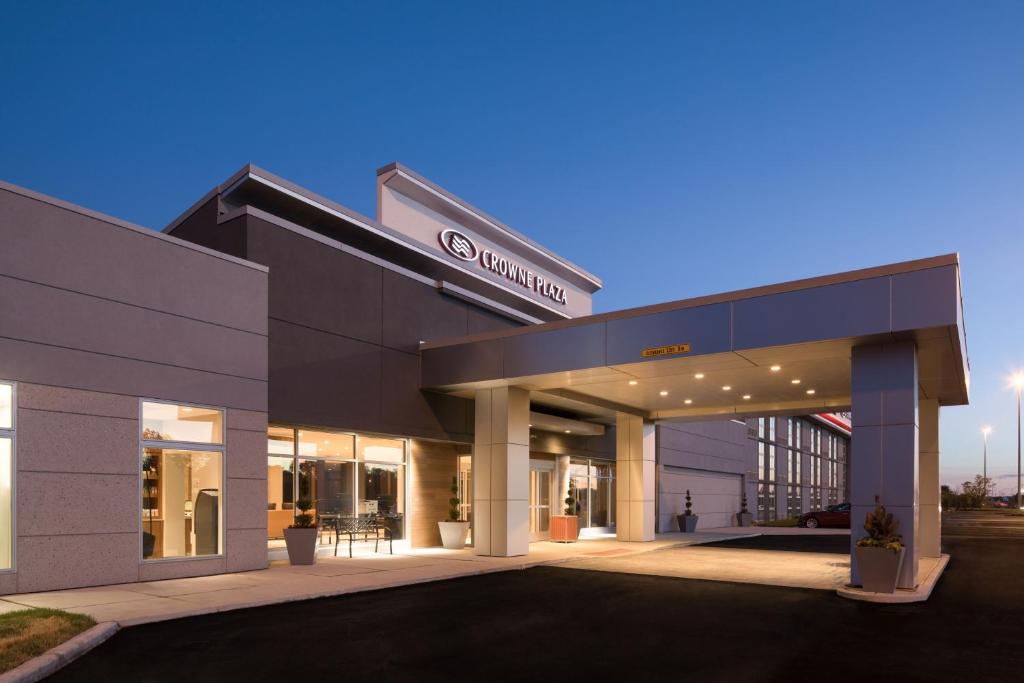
166 398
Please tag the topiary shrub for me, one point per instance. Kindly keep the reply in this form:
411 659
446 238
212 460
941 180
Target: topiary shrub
882 528
453 502
304 520
689 504
570 502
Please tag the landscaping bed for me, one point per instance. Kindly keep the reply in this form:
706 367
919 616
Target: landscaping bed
29 633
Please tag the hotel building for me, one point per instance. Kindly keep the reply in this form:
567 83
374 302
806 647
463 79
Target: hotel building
167 397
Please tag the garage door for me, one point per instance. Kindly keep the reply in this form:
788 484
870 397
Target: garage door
715 496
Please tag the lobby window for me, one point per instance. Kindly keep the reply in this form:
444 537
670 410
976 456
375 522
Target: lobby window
341 473
7 420
182 481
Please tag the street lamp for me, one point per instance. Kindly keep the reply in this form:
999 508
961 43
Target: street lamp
985 431
1018 384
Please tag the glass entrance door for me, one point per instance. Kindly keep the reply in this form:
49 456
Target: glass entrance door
541 484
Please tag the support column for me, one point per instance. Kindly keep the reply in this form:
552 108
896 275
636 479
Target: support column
501 471
885 446
930 529
634 488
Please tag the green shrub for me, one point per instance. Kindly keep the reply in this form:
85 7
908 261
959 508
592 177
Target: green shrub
882 528
453 502
304 520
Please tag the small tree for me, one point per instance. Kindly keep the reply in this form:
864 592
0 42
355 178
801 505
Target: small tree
743 505
975 493
453 502
689 504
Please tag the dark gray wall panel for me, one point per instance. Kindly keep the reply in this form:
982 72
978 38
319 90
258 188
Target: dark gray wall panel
56 366
413 311
705 328
463 363
67 249
322 379
835 311
925 298
58 317
317 286
481 320
407 410
565 349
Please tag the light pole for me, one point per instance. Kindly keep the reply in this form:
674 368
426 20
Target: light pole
1018 383
985 431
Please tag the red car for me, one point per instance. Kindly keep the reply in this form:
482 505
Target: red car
834 516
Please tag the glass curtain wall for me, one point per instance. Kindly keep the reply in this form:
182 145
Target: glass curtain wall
594 483
339 473
766 459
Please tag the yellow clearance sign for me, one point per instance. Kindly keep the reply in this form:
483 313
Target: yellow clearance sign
670 350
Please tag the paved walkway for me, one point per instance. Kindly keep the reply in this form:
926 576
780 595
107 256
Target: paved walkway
139 603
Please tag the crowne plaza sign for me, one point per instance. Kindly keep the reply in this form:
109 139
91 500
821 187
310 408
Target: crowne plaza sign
463 248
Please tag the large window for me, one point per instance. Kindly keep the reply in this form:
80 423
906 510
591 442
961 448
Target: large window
182 481
341 474
7 419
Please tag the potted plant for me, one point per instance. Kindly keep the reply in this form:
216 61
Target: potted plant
688 521
454 530
300 537
566 528
743 517
880 553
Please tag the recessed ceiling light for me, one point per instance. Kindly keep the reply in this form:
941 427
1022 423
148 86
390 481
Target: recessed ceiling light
688 401
663 392
810 391
187 410
726 388
632 382
568 431
531 425
699 375
746 397
775 368
795 381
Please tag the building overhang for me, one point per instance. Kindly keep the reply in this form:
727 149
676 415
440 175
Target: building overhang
646 360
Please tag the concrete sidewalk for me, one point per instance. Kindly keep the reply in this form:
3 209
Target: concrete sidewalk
139 603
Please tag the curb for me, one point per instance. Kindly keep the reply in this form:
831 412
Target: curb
902 596
57 658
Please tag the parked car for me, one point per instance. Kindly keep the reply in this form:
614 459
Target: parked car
833 516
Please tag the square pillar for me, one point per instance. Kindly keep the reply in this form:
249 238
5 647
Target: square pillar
634 471
501 471
930 529
885 446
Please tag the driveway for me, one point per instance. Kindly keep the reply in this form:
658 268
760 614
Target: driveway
808 560
552 623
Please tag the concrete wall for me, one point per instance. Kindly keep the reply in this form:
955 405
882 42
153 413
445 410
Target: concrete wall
96 314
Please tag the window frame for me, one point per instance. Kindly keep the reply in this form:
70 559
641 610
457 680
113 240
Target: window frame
12 434
221 448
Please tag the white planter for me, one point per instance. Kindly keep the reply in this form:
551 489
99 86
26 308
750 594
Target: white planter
453 534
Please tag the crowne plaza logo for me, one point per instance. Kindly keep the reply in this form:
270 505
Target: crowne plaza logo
462 247
458 245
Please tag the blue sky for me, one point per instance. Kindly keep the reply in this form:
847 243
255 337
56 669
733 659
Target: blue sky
747 143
